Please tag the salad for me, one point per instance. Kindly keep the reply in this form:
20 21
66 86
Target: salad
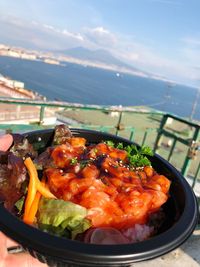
103 193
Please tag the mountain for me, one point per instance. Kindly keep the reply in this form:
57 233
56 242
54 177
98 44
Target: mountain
99 55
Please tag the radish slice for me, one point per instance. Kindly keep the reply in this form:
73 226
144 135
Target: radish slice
105 236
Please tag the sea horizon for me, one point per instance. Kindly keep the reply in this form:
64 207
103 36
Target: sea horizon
89 85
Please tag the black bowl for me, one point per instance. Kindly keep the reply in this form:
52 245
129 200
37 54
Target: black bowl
181 211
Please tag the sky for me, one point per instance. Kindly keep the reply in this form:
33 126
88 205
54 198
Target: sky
158 36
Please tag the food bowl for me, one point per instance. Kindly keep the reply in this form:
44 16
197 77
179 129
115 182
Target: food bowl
181 218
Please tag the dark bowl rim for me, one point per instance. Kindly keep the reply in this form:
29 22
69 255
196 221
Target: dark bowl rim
57 247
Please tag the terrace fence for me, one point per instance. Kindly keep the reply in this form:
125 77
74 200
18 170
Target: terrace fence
174 138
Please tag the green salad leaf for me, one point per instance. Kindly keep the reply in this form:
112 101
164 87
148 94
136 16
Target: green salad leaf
62 218
19 204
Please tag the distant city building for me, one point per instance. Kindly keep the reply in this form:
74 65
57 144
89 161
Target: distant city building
51 61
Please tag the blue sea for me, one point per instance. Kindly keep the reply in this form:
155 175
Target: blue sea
88 85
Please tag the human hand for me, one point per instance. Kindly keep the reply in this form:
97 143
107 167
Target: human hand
6 259
22 259
5 142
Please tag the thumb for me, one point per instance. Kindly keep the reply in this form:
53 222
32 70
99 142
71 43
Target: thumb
5 142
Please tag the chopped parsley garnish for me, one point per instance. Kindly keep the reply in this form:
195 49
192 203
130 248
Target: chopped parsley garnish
120 146
145 150
137 156
85 162
110 143
74 161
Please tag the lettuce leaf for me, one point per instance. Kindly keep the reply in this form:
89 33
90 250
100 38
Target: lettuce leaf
19 205
13 179
62 218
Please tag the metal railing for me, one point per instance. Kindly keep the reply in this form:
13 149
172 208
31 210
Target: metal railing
193 142
188 136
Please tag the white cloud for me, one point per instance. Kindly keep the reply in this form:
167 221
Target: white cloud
193 41
49 27
191 49
36 35
73 35
191 54
182 69
145 57
130 56
127 48
100 36
64 32
33 22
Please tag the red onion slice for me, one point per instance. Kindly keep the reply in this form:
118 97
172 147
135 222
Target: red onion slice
105 236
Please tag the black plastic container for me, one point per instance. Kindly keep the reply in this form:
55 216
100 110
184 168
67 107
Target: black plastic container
181 210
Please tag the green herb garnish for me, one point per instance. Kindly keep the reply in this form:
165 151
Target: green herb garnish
19 204
137 156
73 161
146 150
85 162
110 143
120 146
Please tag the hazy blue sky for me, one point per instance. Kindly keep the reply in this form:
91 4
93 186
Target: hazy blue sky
159 36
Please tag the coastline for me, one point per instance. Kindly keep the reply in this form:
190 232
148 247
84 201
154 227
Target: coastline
20 114
13 88
61 59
